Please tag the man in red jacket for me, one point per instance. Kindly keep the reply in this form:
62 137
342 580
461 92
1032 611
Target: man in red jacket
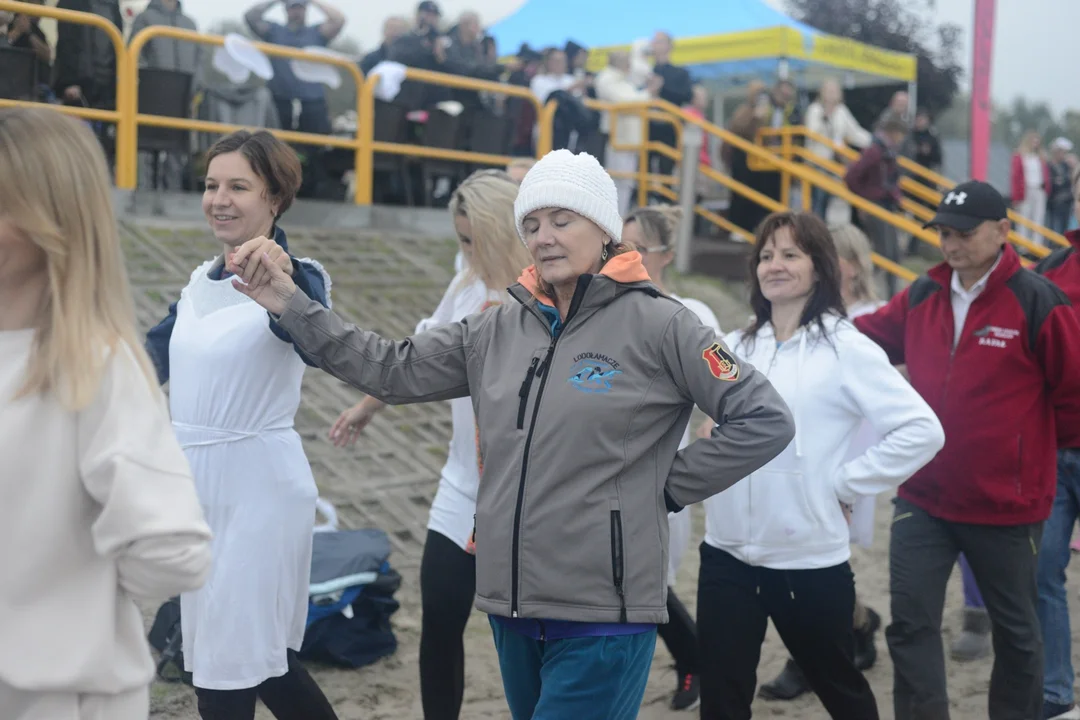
1061 267
987 344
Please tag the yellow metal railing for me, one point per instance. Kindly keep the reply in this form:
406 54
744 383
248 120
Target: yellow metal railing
131 79
645 116
366 126
125 129
925 190
763 158
808 177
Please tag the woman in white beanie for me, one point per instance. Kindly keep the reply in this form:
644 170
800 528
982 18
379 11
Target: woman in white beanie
582 389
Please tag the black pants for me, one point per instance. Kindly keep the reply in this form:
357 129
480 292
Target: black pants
680 635
314 118
1004 559
293 696
662 132
811 609
447 587
885 242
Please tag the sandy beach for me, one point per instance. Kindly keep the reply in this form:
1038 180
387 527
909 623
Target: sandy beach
389 689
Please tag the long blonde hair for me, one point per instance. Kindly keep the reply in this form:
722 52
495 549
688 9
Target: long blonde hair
486 198
852 245
54 188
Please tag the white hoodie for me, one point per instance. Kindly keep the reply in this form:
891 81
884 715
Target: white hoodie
787 515
454 505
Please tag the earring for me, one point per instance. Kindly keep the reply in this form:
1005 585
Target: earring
603 254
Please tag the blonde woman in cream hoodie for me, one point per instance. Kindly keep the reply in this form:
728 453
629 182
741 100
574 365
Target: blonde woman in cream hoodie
777 544
97 505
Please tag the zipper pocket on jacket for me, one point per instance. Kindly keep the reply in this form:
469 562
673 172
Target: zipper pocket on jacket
618 561
523 393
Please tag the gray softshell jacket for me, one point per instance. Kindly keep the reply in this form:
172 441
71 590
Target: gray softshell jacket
578 433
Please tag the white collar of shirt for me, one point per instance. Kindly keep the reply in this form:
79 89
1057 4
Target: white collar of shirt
962 299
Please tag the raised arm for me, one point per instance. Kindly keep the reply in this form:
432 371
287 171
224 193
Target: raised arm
149 517
335 20
753 422
429 366
254 18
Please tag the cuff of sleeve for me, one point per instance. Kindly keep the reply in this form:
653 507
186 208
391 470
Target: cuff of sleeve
669 502
293 311
843 494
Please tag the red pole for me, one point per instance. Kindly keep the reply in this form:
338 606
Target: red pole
980 87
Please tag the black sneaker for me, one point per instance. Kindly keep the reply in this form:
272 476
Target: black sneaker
865 649
687 693
788 685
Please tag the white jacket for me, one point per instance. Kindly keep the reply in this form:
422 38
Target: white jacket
454 505
841 127
616 86
787 515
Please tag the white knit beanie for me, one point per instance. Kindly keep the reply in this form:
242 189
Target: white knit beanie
579 183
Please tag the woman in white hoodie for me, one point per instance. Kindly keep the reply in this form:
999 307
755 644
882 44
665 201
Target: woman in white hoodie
97 504
493 256
777 543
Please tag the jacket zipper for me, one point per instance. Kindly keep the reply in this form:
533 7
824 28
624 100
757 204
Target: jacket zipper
542 372
617 564
523 394
515 559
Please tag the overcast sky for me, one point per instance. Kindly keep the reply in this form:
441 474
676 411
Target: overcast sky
1032 38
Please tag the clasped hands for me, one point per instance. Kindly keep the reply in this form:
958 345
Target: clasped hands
263 272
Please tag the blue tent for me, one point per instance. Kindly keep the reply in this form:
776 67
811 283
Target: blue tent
723 40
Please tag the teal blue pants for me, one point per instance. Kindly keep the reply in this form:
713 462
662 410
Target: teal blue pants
589 678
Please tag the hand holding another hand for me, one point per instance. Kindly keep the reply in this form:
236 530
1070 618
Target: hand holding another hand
262 279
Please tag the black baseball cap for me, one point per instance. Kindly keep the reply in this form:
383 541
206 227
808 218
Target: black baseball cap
429 7
968 205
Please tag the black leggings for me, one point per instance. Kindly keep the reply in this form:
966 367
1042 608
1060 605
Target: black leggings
447 587
293 696
679 633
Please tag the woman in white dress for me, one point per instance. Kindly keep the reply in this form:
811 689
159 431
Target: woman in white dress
483 211
242 631
97 506
651 231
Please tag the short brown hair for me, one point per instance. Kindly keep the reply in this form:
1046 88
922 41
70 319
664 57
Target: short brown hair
274 162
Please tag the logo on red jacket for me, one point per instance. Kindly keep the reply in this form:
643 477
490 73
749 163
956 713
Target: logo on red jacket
721 364
994 336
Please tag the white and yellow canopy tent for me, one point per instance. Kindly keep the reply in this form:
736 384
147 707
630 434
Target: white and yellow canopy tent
724 43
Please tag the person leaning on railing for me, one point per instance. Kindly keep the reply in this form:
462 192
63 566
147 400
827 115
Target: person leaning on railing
875 176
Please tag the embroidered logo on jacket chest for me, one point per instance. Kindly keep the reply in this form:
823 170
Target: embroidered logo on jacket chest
593 373
994 336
